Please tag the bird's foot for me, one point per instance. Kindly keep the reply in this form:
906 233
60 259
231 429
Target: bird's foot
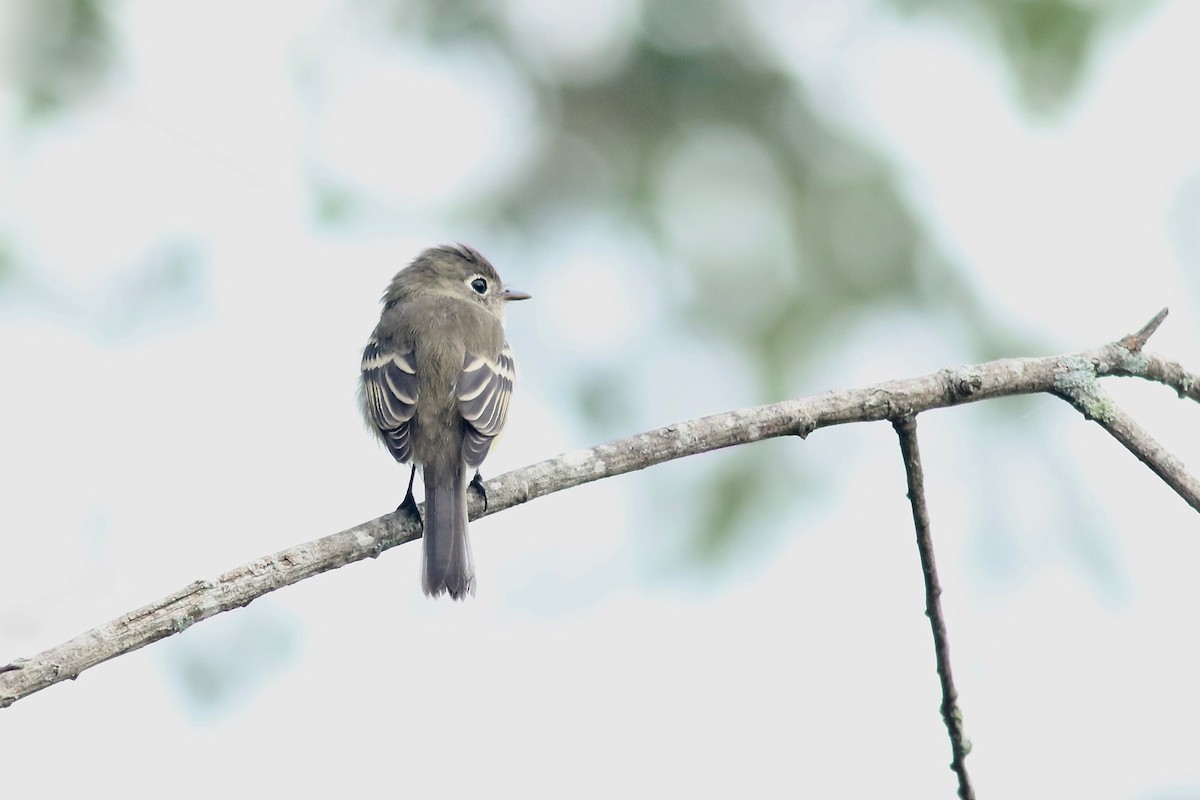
409 506
410 503
477 485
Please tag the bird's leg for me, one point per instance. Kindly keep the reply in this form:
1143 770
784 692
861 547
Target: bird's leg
410 503
477 484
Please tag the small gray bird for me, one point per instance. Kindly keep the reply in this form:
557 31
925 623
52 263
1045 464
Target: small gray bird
437 375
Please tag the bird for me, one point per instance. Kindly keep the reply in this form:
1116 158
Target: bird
436 379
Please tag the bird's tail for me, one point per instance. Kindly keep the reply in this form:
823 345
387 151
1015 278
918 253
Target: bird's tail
448 566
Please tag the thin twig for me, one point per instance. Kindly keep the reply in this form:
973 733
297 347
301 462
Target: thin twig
906 429
1096 404
200 600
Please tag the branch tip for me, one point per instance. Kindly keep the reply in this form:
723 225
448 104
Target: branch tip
1134 342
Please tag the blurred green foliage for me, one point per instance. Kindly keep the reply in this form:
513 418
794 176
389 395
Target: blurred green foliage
1047 44
851 239
63 52
696 94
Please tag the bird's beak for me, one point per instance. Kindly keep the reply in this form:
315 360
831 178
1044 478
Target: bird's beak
514 294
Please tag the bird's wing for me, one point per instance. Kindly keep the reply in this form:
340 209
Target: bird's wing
390 390
483 391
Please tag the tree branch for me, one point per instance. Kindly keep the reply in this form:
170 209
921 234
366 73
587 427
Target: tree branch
906 429
1095 404
1069 376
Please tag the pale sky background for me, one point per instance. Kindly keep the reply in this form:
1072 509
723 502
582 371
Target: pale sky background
140 451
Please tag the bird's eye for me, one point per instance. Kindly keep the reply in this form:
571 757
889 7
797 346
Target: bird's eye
479 285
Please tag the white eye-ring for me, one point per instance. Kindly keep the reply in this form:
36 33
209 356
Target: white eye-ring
479 285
